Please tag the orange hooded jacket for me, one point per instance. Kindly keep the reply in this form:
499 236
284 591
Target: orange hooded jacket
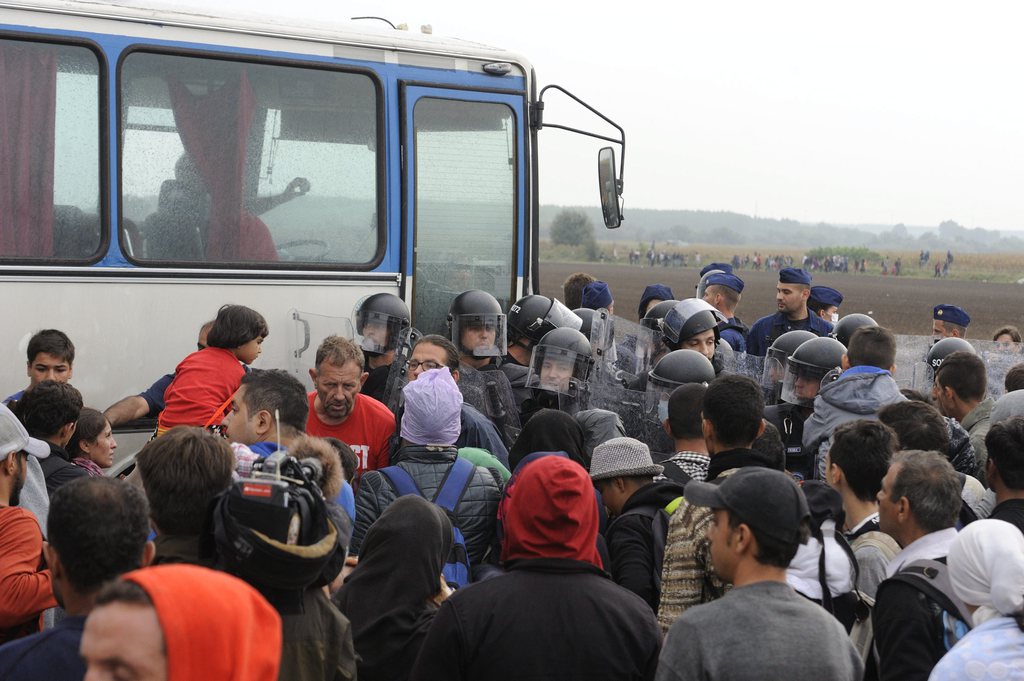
215 626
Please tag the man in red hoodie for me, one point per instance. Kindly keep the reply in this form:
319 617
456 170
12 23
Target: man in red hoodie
556 614
182 623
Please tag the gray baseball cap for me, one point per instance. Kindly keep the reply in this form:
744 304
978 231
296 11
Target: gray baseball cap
769 501
14 437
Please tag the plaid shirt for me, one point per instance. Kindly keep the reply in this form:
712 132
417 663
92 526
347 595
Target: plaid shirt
693 464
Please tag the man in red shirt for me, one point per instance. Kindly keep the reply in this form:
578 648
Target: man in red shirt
25 587
337 409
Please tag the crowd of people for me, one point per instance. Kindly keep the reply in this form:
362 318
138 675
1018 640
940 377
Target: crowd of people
836 262
547 491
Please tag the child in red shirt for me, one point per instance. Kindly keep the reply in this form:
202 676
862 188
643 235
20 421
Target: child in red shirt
205 380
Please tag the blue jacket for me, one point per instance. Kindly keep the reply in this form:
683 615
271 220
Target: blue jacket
735 334
51 654
766 329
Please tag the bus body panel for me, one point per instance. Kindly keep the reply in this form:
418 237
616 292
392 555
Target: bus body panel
133 321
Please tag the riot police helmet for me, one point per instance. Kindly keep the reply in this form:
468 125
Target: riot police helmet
687 319
476 324
587 315
380 320
680 367
815 363
561 362
655 315
777 357
845 327
946 347
534 316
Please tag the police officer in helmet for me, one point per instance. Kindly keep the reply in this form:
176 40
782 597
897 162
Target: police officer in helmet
476 325
845 327
528 320
776 360
923 380
813 363
383 324
559 369
693 324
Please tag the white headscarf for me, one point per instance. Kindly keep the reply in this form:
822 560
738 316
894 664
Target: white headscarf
986 566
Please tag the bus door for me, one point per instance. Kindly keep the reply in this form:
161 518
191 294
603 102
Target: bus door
463 198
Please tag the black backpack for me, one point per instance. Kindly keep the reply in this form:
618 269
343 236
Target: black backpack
659 516
951 619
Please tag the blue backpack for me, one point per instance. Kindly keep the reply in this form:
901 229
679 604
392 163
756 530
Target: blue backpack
456 571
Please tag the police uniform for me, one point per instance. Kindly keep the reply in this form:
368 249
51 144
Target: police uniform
734 332
825 296
766 329
952 314
789 420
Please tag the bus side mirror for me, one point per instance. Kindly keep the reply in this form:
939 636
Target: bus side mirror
609 187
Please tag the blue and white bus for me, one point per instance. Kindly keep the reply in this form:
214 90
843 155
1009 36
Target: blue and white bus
156 164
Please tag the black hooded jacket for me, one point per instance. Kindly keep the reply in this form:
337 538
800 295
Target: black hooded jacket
631 540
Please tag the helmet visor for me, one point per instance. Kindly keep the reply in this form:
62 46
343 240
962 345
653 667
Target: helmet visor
803 382
379 332
675 326
480 335
558 370
562 317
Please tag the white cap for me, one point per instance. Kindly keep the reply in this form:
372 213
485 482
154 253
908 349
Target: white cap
14 437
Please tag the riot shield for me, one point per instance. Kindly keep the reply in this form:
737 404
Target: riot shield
306 331
750 366
912 370
655 412
724 359
623 350
999 359
491 394
398 373
630 405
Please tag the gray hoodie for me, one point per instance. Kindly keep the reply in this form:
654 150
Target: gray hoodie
850 398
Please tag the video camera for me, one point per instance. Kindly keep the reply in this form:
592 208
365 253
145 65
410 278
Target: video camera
280 498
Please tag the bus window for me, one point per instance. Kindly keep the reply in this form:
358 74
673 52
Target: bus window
465 204
49 152
226 161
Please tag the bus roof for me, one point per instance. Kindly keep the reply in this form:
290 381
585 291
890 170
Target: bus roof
362 34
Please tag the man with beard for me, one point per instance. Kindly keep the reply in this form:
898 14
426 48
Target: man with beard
25 588
338 409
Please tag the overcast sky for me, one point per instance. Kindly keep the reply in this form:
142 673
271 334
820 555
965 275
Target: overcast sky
880 112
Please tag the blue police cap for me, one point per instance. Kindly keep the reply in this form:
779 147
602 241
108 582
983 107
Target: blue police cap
793 275
952 314
723 279
654 292
596 295
723 266
826 296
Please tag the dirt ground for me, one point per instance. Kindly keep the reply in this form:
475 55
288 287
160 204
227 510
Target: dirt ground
903 305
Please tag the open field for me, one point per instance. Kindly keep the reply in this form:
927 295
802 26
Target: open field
1005 267
903 304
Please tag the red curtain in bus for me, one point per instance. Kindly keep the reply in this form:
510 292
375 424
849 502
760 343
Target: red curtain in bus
214 128
28 103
